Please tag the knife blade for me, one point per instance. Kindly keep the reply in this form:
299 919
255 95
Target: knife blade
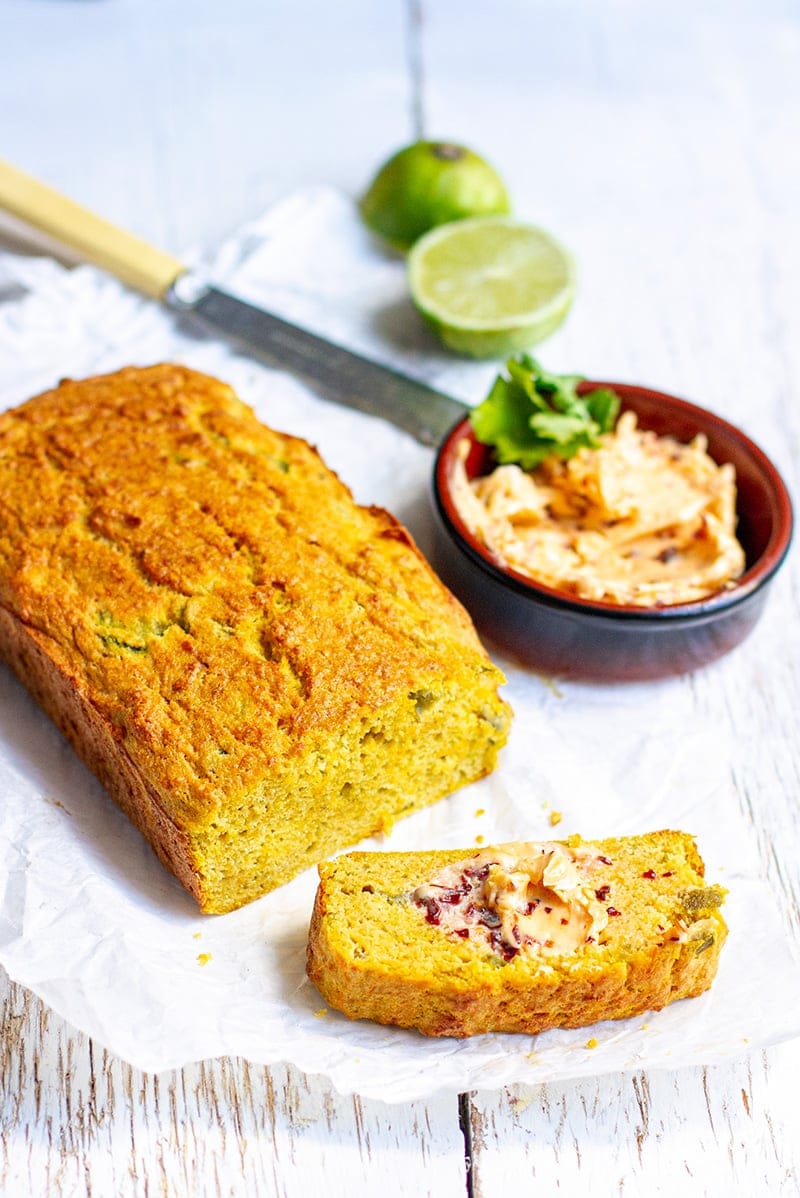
338 373
341 375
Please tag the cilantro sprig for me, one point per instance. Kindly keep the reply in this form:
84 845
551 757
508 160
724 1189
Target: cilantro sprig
532 414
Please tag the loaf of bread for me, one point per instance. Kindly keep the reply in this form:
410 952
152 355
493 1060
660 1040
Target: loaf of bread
515 938
259 671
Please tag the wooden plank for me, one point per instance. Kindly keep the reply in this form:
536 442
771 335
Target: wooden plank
721 1130
662 147
75 1119
193 118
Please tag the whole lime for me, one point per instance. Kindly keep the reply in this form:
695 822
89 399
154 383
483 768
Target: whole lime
430 183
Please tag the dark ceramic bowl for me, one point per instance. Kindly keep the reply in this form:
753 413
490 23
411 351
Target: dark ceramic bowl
558 634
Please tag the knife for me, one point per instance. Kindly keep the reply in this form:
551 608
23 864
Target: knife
338 373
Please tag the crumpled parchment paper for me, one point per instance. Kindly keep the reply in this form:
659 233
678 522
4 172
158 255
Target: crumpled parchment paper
92 923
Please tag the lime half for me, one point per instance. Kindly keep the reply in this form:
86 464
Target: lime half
430 183
491 286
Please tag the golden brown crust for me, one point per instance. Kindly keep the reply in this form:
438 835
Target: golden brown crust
373 955
94 740
229 641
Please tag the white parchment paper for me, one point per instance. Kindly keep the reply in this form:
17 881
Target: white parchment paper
91 922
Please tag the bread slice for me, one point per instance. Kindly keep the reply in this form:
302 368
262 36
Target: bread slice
260 671
516 938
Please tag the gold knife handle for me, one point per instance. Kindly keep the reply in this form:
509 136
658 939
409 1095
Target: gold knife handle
136 263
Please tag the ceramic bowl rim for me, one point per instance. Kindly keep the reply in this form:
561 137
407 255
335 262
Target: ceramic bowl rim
755 577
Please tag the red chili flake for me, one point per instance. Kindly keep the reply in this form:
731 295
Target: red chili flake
507 951
660 927
668 874
674 938
649 873
612 911
548 910
605 860
666 555
589 940
564 921
548 943
602 893
462 932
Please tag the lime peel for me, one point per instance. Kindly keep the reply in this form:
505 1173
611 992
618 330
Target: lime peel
428 184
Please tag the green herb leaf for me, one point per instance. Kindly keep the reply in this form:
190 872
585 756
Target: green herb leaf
533 414
603 405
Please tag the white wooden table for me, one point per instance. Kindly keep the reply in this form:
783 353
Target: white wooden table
661 142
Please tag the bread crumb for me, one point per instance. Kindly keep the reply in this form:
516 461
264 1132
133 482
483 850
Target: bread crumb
196 935
552 686
480 811
203 958
555 818
592 1043
321 1013
384 827
54 802
479 839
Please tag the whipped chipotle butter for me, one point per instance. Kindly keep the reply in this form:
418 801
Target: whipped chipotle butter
641 519
520 898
